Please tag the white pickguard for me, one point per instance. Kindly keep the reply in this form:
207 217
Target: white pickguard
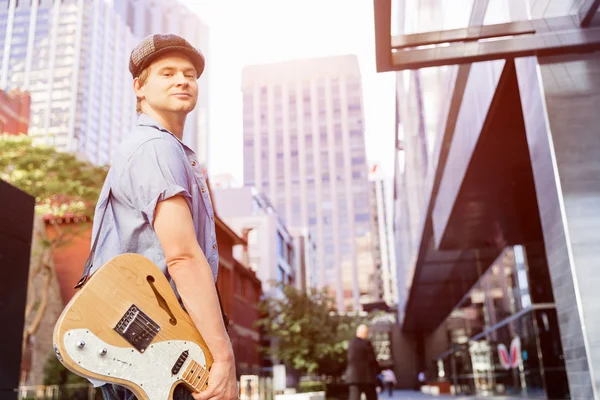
151 370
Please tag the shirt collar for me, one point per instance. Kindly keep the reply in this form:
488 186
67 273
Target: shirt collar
146 120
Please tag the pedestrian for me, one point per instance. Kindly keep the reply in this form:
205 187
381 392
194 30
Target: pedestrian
422 379
157 203
389 380
361 374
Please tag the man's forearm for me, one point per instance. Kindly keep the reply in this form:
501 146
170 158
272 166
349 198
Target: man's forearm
196 287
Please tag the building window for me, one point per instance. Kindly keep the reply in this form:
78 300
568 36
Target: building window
148 27
280 246
360 160
361 217
290 254
239 283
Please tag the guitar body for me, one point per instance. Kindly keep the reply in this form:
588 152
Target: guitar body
125 326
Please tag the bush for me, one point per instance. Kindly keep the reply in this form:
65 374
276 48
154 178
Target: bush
56 374
311 386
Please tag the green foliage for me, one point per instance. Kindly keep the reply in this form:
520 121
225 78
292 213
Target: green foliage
310 335
63 186
60 182
73 387
56 374
312 386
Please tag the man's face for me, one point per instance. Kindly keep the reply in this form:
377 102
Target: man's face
172 85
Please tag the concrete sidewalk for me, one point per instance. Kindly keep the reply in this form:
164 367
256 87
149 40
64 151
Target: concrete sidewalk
414 395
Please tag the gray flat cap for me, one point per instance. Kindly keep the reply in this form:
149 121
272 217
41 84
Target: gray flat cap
154 45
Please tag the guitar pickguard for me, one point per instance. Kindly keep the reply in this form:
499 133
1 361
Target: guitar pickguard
150 370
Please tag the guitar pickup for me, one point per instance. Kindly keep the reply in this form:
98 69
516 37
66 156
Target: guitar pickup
179 363
137 328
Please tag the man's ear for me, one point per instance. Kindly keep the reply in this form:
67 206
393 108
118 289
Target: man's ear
138 89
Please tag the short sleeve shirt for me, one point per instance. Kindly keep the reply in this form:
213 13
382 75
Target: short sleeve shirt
149 166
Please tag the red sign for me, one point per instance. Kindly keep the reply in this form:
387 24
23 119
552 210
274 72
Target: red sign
510 359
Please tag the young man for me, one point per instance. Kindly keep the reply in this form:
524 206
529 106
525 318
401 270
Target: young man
159 204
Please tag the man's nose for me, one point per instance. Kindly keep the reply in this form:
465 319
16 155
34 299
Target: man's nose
181 80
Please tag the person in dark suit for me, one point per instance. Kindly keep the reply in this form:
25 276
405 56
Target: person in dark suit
363 368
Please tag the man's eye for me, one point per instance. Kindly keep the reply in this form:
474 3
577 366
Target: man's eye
166 74
190 76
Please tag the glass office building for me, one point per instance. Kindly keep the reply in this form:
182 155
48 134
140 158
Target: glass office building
304 146
497 191
503 335
72 56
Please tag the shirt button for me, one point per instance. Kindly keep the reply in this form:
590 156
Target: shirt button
203 189
215 246
193 163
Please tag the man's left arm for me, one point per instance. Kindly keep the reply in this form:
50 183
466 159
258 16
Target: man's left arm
193 278
374 358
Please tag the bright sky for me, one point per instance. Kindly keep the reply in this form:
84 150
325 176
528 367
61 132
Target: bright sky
247 32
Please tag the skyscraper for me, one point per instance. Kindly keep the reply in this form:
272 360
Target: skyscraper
304 147
383 236
145 17
497 192
72 57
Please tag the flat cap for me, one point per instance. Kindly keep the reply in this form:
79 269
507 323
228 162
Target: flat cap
155 45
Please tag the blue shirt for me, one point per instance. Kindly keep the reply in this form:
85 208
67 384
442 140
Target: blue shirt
151 165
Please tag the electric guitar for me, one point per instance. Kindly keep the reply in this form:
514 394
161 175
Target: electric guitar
125 326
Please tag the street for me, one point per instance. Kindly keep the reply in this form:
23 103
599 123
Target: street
414 395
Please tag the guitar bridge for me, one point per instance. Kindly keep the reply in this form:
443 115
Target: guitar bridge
137 328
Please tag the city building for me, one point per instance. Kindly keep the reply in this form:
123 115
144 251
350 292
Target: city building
270 251
305 258
146 17
384 256
14 112
72 57
240 291
304 147
497 192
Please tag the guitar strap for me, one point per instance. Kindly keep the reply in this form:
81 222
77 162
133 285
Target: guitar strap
90 261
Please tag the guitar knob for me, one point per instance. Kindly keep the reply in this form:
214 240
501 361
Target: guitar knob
102 352
80 344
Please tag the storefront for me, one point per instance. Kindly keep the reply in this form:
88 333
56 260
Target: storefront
503 341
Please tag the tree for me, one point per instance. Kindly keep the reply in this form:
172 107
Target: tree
310 335
64 187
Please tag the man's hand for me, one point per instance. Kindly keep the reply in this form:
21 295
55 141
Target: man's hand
222 383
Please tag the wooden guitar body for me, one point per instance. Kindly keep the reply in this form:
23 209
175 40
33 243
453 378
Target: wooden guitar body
125 326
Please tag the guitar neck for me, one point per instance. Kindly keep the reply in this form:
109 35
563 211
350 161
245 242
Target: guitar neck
195 376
